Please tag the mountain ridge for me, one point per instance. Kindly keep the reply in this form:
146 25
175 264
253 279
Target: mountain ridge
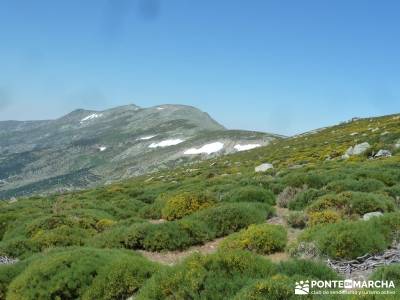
102 145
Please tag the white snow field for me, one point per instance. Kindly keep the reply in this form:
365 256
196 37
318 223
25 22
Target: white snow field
90 117
239 147
166 143
207 149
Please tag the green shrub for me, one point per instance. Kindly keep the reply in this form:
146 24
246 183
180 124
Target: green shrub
297 219
278 287
305 198
165 236
120 279
347 239
217 276
388 273
152 211
8 273
104 224
251 194
64 273
307 269
60 237
113 237
228 218
323 217
262 239
18 247
353 203
287 196
178 206
134 235
197 231
388 225
361 185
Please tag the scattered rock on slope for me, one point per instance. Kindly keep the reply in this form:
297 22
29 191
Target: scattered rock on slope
383 153
263 167
357 149
370 215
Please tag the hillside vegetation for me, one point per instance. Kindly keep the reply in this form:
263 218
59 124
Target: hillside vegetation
86 244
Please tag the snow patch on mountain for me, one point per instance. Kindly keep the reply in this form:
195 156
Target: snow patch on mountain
239 147
166 143
90 117
207 149
144 138
160 108
102 148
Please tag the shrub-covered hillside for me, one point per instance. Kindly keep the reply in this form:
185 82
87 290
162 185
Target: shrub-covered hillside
270 228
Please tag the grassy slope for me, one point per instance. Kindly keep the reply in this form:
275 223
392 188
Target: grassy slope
116 215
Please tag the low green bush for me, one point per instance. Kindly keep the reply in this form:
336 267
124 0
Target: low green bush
361 185
261 239
278 287
8 273
323 217
305 198
69 273
287 196
104 224
388 273
388 225
231 217
307 269
348 239
60 237
251 194
297 219
194 229
353 203
18 247
166 236
113 237
217 276
153 210
120 279
178 206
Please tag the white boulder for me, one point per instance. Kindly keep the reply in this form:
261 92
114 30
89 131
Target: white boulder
357 149
370 215
263 167
383 153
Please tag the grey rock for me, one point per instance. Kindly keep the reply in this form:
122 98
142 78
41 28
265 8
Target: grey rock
263 167
383 153
358 149
5 260
370 215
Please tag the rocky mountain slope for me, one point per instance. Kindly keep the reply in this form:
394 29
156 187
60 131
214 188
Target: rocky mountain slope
85 147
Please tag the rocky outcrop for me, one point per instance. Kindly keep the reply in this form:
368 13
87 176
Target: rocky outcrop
356 150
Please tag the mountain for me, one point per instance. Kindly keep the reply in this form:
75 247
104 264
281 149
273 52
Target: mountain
86 147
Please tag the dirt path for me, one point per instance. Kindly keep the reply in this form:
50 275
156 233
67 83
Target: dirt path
173 257
280 219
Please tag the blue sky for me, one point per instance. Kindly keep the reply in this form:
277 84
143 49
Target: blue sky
279 66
